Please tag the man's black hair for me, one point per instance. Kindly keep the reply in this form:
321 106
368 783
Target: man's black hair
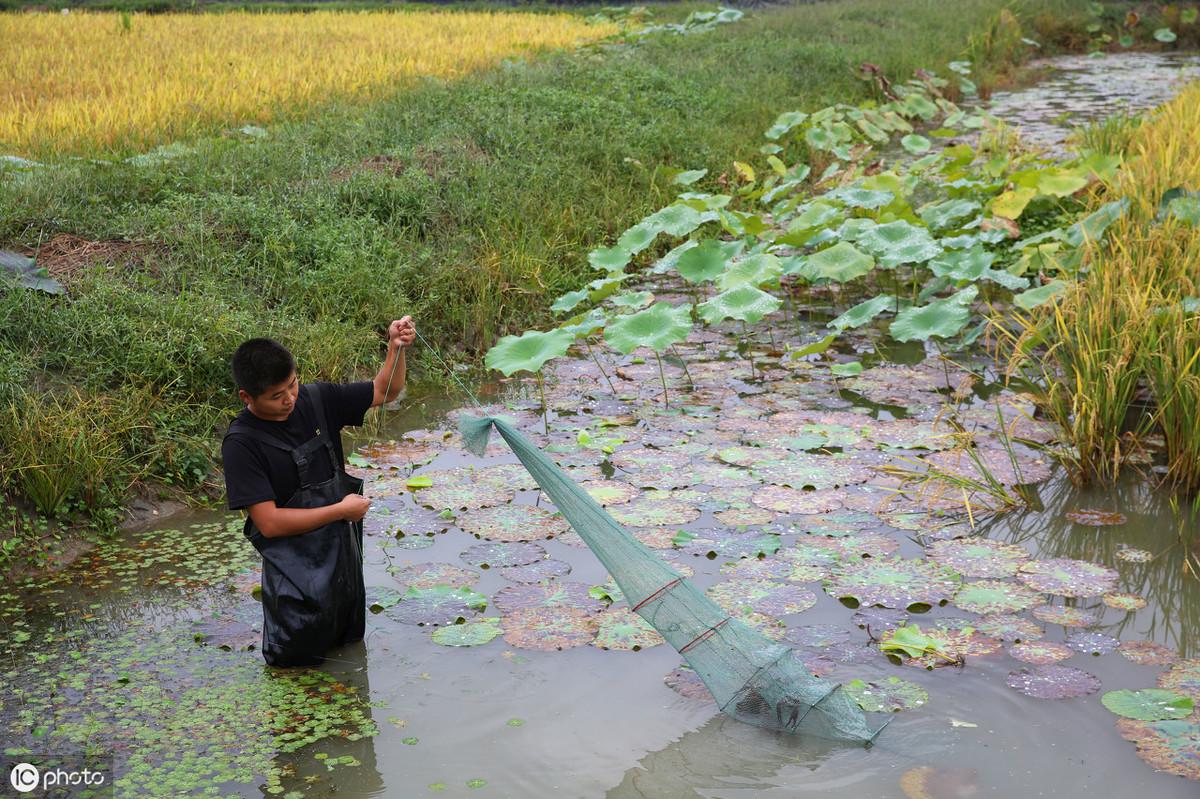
261 363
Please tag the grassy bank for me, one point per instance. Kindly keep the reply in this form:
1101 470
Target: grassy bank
466 203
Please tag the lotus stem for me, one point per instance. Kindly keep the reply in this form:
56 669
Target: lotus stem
545 410
683 363
663 376
607 379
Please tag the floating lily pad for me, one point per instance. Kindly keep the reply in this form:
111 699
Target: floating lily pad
438 605
1053 682
892 582
687 683
1067 577
1065 616
762 596
936 647
978 557
744 517
731 544
648 512
1172 746
794 500
1183 677
1124 601
411 541
751 456
565 594
817 635
399 454
886 696
464 496
812 471
490 555
1009 628
427 575
537 572
862 545
1148 653
837 524
621 628
507 476
473 633
1135 555
1040 653
1096 518
995 596
380 598
1151 704
609 492
719 476
822 552
548 628
997 463
509 523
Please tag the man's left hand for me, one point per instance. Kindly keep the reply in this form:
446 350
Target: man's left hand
402 332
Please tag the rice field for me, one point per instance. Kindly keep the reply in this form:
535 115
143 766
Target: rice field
83 82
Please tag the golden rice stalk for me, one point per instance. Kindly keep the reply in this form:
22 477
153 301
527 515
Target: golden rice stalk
84 81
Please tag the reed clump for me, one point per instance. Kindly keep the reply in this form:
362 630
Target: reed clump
1119 356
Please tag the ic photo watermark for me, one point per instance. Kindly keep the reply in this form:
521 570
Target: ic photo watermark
59 777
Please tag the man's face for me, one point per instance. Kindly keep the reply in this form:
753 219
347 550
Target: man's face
276 403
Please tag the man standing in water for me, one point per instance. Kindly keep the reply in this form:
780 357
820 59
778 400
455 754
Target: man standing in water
284 465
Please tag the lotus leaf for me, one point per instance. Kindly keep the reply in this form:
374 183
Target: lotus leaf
842 262
817 635
637 238
463 496
687 683
704 262
1040 653
762 596
1060 182
979 557
940 318
970 264
1150 704
793 500
1183 677
1009 628
472 633
745 302
1065 616
633 299
731 544
1172 745
1066 577
1053 682
1028 300
560 594
939 216
1124 601
25 273
438 605
527 352
427 575
892 582
864 312
609 259
1011 204
490 555
568 301
755 270
1148 653
994 596
677 220
885 696
858 197
915 144
622 629
657 327
548 628
688 177
512 523
540 571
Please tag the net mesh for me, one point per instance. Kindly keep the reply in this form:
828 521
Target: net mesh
752 678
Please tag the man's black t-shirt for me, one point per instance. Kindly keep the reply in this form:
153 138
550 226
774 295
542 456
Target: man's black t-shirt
257 473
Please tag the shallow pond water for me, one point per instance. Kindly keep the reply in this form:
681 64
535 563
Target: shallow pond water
1082 89
145 650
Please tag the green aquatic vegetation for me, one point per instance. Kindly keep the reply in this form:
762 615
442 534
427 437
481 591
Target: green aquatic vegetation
887 696
472 633
1053 682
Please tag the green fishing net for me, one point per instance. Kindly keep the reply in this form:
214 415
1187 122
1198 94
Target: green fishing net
752 678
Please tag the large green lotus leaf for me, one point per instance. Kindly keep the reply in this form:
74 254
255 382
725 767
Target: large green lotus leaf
816 215
1040 653
632 299
657 327
757 270
512 523
919 105
704 262
995 596
979 557
854 229
886 696
762 596
1059 182
529 351
472 633
820 138
585 325
963 264
1092 226
841 262
857 197
1183 677
940 318
688 177
784 123
609 259
569 300
438 605
1068 577
746 303
1031 299
899 242
637 238
915 143
871 131
1171 745
892 582
864 312
677 220
946 214
671 259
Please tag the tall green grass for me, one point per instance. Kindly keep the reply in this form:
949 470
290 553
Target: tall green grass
468 204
